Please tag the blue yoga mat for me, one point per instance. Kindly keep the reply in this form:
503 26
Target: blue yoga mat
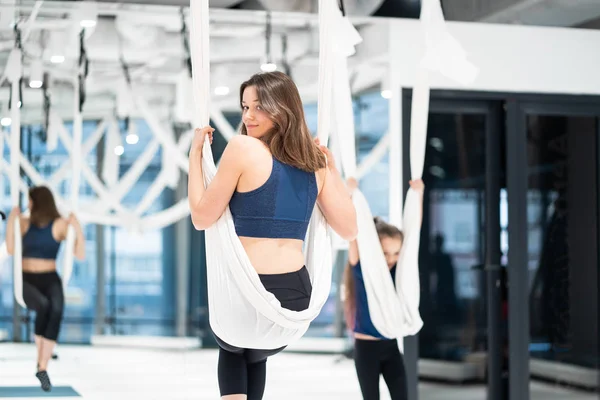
36 391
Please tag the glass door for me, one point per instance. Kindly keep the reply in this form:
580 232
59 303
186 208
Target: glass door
460 254
561 247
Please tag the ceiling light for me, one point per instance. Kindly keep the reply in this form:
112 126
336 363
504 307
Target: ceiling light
36 74
86 14
119 150
132 138
57 42
57 59
221 90
268 67
6 121
87 23
385 88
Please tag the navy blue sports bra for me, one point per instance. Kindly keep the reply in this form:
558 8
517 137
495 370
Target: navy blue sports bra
280 209
363 323
39 243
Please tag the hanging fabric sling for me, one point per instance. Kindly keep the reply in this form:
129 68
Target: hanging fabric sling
15 152
387 305
67 269
241 311
395 310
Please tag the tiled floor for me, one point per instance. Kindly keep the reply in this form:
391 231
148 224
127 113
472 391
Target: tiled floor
122 374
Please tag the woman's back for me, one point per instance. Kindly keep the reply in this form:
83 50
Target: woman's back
41 244
271 208
41 232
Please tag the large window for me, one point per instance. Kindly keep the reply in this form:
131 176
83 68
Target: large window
371 119
6 281
140 265
80 294
139 284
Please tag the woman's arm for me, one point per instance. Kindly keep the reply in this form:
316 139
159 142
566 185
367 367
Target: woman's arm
335 202
353 255
419 187
208 204
79 247
10 230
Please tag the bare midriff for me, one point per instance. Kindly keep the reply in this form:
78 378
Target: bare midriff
38 265
274 256
362 336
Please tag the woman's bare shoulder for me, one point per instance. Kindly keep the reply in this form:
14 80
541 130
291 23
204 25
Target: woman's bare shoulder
246 150
24 223
242 148
59 229
244 142
60 221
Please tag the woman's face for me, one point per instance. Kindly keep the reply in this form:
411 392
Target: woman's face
391 249
254 117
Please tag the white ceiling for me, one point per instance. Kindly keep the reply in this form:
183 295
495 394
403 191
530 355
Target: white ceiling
151 43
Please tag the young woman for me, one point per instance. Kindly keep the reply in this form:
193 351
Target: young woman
42 233
271 176
374 354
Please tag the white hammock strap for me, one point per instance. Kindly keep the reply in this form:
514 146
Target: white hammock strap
15 152
394 311
75 181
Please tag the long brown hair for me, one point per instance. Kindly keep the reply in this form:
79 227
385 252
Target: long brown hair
43 208
383 230
289 141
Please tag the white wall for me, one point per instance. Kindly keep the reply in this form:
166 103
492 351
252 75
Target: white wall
511 58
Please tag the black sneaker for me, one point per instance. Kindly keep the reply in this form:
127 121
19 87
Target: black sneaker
44 380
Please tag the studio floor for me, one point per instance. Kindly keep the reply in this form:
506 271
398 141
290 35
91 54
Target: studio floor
86 372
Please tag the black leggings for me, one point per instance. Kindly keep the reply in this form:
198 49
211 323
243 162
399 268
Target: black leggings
244 371
380 357
43 293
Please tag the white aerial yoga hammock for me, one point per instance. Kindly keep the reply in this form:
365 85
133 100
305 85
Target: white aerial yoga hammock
387 305
15 151
75 180
242 312
395 310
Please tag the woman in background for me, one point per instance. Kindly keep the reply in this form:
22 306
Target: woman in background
374 354
42 233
